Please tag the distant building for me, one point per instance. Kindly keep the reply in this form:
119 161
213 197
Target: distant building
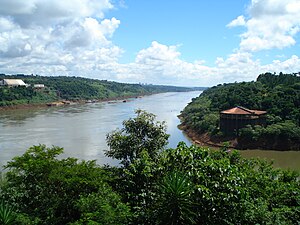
12 82
39 86
232 120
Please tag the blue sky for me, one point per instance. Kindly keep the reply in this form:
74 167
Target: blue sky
187 43
198 27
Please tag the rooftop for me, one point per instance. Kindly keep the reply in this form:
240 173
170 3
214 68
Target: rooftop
239 110
14 82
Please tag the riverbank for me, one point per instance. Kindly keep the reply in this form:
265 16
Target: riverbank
279 159
60 103
231 142
205 139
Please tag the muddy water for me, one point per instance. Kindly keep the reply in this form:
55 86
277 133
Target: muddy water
81 129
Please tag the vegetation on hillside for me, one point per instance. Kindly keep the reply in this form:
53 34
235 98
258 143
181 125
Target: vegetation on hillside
73 88
153 185
279 95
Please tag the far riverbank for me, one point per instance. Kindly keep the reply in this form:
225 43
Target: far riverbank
67 102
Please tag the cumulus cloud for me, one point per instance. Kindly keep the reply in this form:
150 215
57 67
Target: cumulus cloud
50 36
162 63
45 13
73 37
272 24
157 53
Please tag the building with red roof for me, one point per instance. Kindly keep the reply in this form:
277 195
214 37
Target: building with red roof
231 120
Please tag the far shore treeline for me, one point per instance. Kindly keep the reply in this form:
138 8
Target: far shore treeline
75 89
278 94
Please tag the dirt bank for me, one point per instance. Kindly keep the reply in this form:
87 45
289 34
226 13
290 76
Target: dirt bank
205 139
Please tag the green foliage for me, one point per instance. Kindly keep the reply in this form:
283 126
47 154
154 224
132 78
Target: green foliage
140 133
44 188
25 95
175 200
7 216
228 189
185 185
275 136
137 145
102 207
194 185
73 88
279 95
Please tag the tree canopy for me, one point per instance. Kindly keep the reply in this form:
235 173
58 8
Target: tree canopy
175 186
279 95
73 88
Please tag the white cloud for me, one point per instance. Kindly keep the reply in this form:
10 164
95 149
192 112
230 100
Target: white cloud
46 36
239 21
45 13
73 37
6 24
157 53
272 24
162 64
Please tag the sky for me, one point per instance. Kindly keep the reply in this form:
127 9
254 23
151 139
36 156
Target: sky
170 42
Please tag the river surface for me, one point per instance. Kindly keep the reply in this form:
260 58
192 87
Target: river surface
81 129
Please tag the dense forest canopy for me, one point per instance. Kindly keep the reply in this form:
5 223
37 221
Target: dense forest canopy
153 185
74 88
278 94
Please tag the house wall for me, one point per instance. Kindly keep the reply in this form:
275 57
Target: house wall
232 123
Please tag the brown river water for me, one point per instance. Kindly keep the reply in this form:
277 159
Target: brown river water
81 129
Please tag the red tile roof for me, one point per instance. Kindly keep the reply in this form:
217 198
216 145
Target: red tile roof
243 111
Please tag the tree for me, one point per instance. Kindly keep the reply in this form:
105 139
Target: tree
175 203
7 216
226 188
137 134
46 189
103 207
137 145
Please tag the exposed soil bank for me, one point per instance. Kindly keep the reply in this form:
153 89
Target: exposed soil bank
205 139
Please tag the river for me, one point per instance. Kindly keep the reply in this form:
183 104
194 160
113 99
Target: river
81 129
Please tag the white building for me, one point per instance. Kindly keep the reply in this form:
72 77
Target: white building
12 82
38 85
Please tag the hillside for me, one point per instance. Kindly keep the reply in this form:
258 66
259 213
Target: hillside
279 95
72 89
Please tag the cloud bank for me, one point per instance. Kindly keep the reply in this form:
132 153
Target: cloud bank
73 37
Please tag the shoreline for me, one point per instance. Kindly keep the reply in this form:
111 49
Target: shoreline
204 140
66 103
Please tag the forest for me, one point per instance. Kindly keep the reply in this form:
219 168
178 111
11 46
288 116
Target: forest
279 95
152 184
74 88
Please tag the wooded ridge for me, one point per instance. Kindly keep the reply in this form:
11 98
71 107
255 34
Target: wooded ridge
73 89
279 95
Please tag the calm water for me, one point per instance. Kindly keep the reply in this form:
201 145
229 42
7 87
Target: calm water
81 129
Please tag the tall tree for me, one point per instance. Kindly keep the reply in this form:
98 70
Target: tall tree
138 134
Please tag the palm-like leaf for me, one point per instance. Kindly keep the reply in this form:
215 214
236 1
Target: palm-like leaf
176 205
6 214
